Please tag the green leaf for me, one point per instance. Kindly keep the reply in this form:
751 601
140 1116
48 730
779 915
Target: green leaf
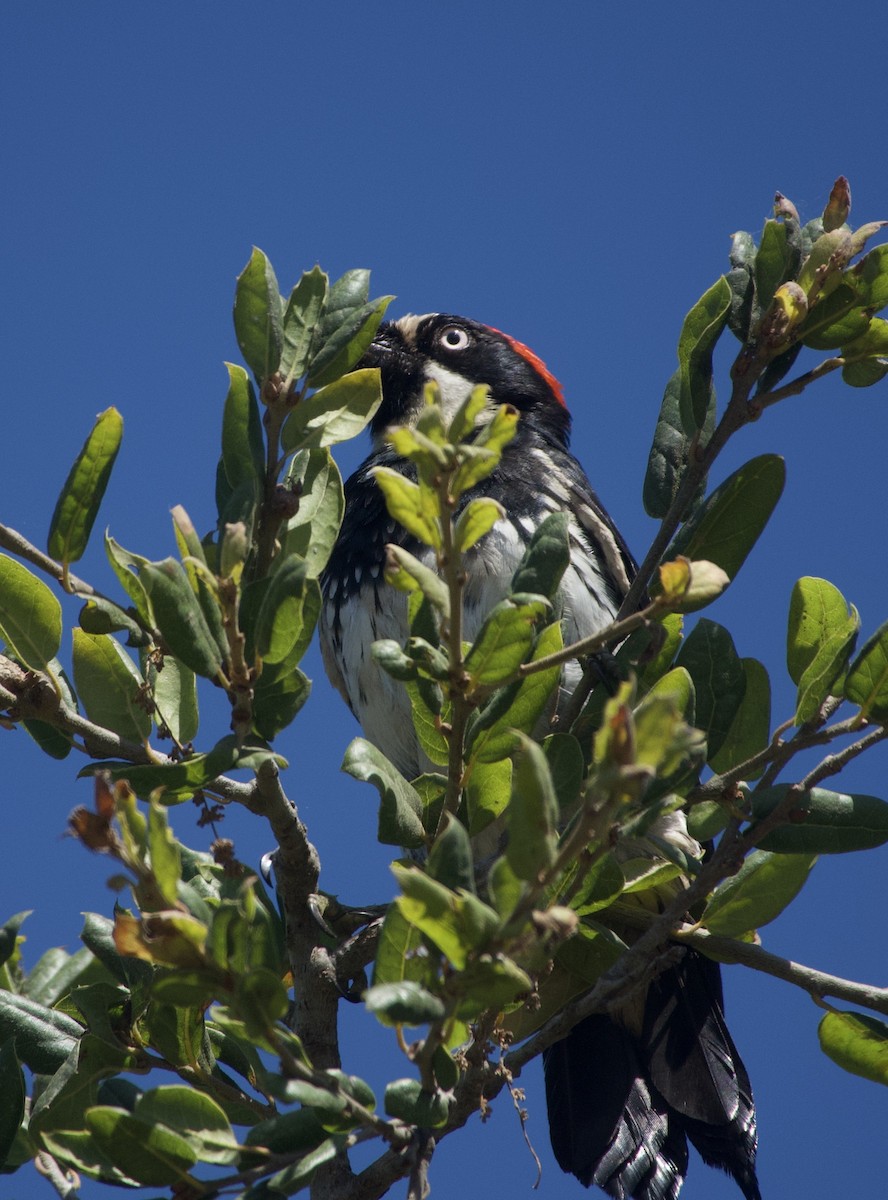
772 263
517 707
678 686
476 519
409 574
872 343
592 951
403 1003
193 1114
545 559
662 737
347 333
400 808
296 1177
179 616
166 862
759 892
178 780
450 860
30 615
257 316
405 1100
463 420
281 691
456 922
287 1132
532 814
488 791
12 1089
668 458
152 1154
822 821
709 657
481 457
504 640
125 566
728 524
750 730
865 372
243 448
175 699
491 982
335 413
869 278
288 613
409 505
701 330
312 532
109 686
427 709
867 682
602 883
834 320
301 318
504 887
564 754
399 953
99 615
9 932
78 503
857 1043
670 638
44 1037
820 639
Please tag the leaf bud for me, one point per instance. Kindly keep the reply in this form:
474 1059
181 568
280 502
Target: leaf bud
838 206
783 207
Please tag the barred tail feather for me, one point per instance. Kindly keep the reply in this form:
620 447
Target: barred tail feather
622 1107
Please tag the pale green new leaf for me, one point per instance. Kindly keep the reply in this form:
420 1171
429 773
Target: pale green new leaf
410 506
334 413
857 1042
477 518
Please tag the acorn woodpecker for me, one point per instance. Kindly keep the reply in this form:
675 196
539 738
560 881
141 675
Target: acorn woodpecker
625 1091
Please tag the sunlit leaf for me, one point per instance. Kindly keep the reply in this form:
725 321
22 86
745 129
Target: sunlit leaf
867 680
759 892
857 1042
300 320
334 413
109 685
257 316
78 503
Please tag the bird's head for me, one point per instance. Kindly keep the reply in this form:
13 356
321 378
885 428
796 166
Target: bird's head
458 354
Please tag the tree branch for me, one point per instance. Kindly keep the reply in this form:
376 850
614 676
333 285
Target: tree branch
818 984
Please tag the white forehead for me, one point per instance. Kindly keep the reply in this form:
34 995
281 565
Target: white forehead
409 325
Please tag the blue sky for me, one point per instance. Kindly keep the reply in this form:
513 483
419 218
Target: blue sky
569 173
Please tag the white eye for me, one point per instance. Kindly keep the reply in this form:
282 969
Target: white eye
452 337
